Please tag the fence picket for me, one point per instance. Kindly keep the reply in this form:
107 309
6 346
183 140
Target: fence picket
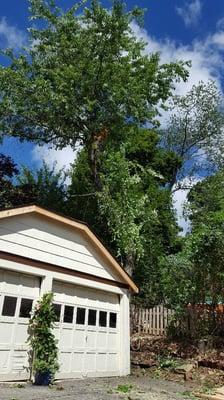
162 320
158 319
152 321
147 320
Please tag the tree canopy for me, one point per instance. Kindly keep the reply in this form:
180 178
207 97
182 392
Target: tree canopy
83 79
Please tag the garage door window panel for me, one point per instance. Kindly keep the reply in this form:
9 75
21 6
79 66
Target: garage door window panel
80 316
68 314
25 308
9 306
103 319
92 317
57 310
113 320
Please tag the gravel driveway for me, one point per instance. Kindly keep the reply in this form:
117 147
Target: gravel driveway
138 388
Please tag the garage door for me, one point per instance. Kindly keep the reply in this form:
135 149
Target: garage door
87 331
17 292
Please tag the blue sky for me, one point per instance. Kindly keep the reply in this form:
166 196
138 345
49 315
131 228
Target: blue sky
178 29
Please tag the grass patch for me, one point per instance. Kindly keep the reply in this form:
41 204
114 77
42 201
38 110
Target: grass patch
19 385
124 388
169 363
188 395
208 389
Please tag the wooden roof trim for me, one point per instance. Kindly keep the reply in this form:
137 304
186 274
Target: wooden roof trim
82 227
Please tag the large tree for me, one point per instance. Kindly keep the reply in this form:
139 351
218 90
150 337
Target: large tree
133 212
83 79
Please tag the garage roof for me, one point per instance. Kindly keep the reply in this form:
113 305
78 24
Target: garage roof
82 228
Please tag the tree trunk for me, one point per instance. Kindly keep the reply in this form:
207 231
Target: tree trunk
94 150
173 181
129 264
93 161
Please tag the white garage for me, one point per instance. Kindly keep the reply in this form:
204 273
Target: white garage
41 251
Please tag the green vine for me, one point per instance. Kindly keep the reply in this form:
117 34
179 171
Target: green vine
44 350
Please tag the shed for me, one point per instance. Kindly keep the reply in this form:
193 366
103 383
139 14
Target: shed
41 251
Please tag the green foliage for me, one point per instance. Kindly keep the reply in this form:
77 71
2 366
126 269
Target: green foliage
41 337
196 274
208 256
160 240
144 147
195 277
45 186
206 200
169 363
124 388
8 170
177 278
123 203
82 197
206 209
133 213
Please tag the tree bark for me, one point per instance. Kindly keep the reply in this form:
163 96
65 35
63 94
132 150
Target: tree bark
94 150
129 264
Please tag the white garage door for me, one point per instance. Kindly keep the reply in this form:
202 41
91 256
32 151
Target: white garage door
17 292
87 331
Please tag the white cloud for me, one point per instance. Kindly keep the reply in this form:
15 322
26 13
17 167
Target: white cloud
10 36
60 159
220 23
218 39
190 12
206 56
180 201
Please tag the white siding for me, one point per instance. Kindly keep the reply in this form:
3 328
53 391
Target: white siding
47 241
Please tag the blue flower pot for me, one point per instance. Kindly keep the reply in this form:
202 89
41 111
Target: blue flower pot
43 378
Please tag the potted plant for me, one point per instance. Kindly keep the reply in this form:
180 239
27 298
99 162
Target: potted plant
44 351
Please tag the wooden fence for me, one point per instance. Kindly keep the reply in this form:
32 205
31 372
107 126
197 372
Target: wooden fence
152 321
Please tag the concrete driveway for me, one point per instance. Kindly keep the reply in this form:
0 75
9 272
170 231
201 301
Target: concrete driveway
130 388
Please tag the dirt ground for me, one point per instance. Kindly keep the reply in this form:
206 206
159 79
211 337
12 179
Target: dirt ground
138 386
